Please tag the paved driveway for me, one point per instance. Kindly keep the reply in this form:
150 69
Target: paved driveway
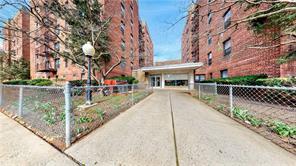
172 128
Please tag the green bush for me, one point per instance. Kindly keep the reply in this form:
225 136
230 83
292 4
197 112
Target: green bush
83 82
289 82
40 82
16 82
36 82
129 79
240 80
259 80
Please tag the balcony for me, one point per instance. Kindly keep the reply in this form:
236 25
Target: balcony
45 67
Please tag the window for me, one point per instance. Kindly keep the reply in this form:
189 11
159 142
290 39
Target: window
227 47
132 11
57 30
57 63
132 22
210 58
122 27
122 9
209 39
57 46
210 15
122 45
132 39
66 63
224 73
199 78
123 63
227 18
132 55
211 75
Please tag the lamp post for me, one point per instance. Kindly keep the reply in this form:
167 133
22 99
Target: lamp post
88 51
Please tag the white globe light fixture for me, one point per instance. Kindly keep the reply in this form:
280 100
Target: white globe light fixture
88 49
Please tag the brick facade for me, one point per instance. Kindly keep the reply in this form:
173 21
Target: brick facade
239 59
123 31
146 46
17 43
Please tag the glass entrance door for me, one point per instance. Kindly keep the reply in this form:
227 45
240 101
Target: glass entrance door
155 81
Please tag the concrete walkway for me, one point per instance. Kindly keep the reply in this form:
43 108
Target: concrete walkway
198 135
19 146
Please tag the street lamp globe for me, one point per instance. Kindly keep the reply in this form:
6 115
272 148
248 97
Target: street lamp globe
88 49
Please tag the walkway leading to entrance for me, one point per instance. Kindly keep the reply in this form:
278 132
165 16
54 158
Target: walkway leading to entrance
172 128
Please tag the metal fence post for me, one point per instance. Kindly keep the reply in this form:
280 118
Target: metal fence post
231 101
216 88
1 94
132 94
67 93
20 108
199 92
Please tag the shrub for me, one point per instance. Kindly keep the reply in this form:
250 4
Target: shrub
16 82
129 79
289 82
40 82
36 82
240 80
83 82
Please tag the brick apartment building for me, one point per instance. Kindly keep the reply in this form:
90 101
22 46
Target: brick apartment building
225 51
17 44
124 42
146 46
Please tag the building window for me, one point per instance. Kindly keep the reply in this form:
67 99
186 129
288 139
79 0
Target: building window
227 47
210 15
132 11
122 45
209 39
123 63
227 18
210 58
211 75
122 9
122 27
57 46
57 63
58 30
224 73
199 78
66 62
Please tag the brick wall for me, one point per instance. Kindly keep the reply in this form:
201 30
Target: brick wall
146 46
243 59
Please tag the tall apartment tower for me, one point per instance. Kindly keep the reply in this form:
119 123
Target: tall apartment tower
146 46
189 37
17 43
226 51
124 43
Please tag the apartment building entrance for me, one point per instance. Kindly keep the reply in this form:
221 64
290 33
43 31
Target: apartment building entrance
155 81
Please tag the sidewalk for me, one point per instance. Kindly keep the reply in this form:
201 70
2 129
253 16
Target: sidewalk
19 146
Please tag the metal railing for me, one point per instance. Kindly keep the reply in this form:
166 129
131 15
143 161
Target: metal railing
59 114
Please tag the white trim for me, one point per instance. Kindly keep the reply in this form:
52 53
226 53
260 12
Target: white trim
181 66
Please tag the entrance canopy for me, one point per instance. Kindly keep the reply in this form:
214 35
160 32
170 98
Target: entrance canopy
171 76
175 67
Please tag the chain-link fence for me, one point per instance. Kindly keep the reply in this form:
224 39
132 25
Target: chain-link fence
271 111
60 114
107 102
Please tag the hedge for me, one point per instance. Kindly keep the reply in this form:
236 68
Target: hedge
240 80
259 80
129 79
83 82
36 82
